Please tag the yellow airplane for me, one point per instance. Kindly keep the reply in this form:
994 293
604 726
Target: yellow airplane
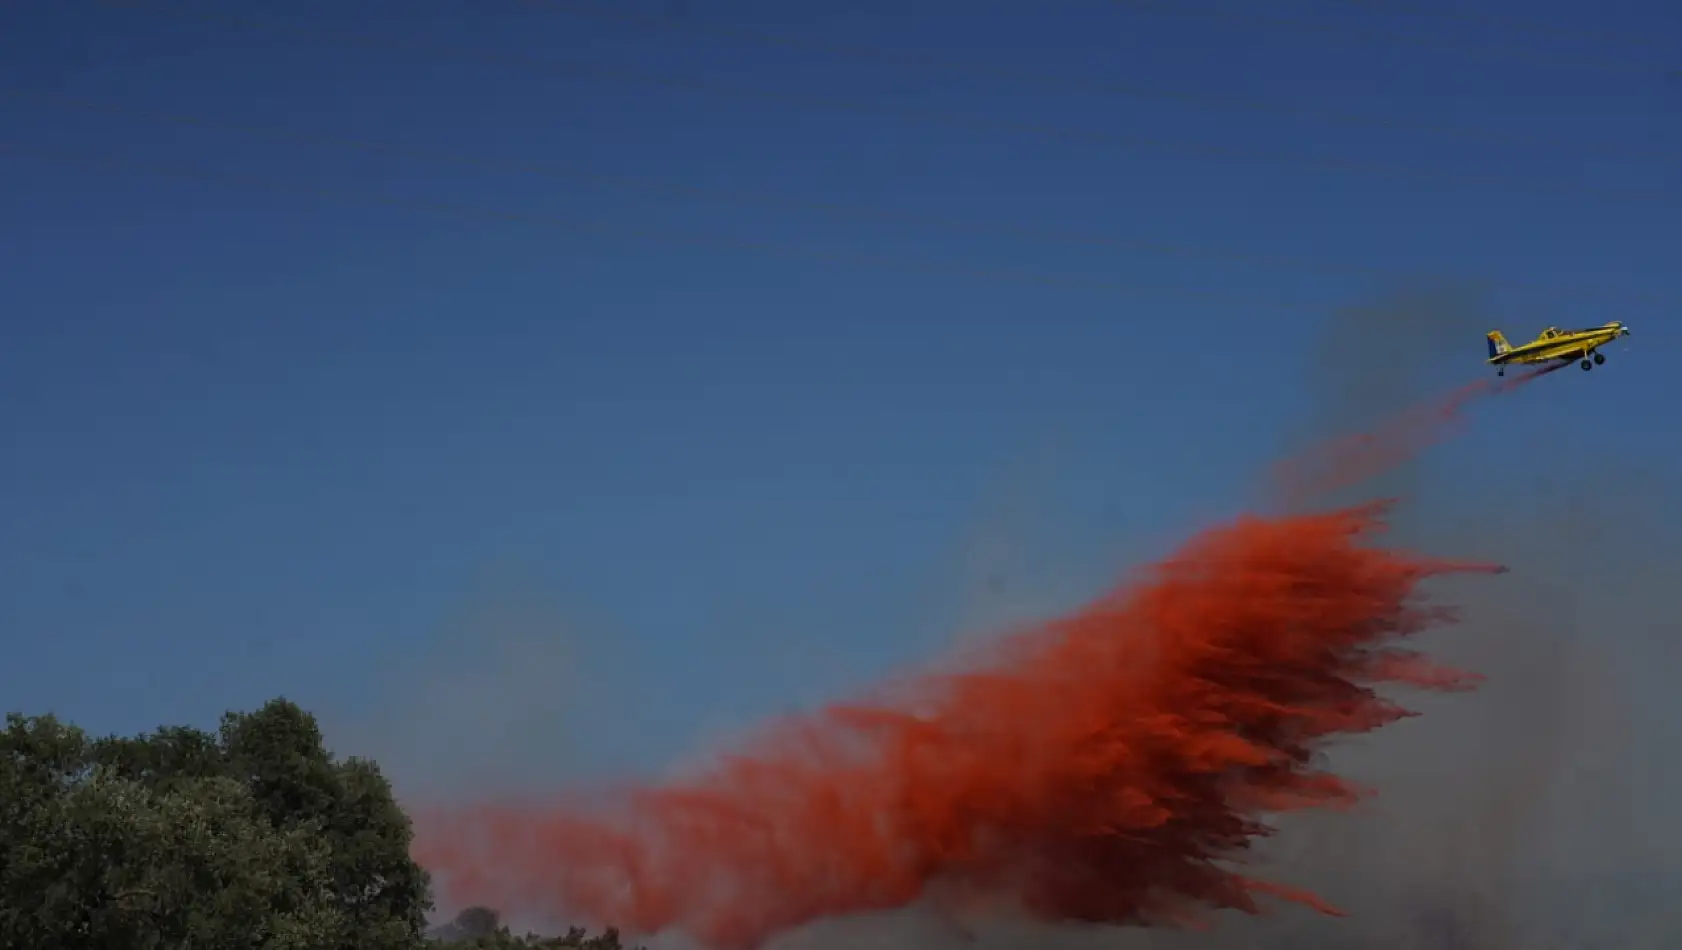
1554 344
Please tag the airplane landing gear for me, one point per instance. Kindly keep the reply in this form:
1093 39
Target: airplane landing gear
1586 365
1599 358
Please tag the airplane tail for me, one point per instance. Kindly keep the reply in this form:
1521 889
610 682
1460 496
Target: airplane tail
1497 343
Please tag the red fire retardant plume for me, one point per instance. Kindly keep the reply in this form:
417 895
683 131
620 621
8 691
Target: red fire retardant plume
1094 768
1108 766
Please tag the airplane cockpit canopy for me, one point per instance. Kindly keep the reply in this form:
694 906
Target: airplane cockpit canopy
1550 333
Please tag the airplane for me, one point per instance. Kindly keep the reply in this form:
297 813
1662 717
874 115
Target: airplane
1554 344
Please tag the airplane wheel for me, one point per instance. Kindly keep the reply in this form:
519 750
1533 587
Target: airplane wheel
1599 358
1587 365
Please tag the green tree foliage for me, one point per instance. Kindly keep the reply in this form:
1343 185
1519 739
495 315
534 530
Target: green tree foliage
250 837
278 753
481 928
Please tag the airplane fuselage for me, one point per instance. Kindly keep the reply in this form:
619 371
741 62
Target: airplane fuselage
1562 345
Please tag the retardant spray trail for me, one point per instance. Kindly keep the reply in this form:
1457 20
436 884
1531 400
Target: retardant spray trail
1094 768
1344 463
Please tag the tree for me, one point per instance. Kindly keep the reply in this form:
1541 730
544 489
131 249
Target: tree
481 928
186 869
250 837
91 858
474 923
278 751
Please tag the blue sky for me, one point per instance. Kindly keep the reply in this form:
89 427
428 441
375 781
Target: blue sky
301 431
